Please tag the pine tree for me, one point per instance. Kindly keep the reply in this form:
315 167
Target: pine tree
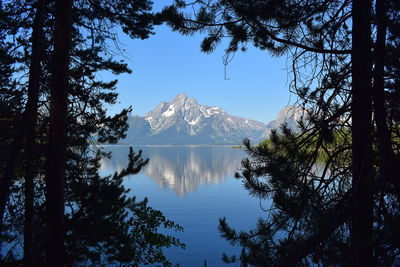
100 222
335 202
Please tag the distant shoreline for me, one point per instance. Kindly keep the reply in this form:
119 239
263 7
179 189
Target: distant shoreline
170 145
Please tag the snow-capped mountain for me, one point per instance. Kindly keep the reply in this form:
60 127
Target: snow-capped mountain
184 121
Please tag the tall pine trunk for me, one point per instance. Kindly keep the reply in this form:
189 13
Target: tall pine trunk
56 158
362 196
27 120
31 111
389 167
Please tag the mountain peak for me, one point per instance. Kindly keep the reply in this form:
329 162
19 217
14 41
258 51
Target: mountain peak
184 121
180 97
182 101
291 112
289 115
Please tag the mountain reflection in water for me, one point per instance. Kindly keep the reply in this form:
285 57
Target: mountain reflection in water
193 186
180 168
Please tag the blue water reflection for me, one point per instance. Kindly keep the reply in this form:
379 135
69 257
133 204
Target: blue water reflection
194 186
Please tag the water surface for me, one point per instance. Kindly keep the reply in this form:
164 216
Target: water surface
193 186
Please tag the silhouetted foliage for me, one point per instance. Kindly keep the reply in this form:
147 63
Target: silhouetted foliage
334 186
103 222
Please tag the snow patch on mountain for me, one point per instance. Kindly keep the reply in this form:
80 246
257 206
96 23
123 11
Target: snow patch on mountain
184 121
169 112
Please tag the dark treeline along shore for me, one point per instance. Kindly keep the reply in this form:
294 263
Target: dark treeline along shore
57 210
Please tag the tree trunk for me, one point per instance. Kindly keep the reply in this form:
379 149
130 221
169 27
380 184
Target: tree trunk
31 117
362 195
389 167
56 158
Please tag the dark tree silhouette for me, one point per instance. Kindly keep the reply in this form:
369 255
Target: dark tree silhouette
31 118
72 215
361 129
56 155
330 44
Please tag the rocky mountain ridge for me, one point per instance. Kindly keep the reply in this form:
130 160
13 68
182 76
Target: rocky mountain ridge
183 121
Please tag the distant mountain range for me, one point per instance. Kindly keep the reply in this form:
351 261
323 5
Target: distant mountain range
183 121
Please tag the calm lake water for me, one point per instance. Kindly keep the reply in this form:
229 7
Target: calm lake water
193 186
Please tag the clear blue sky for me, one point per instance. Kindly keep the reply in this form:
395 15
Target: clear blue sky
167 64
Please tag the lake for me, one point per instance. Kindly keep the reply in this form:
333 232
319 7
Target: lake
194 186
